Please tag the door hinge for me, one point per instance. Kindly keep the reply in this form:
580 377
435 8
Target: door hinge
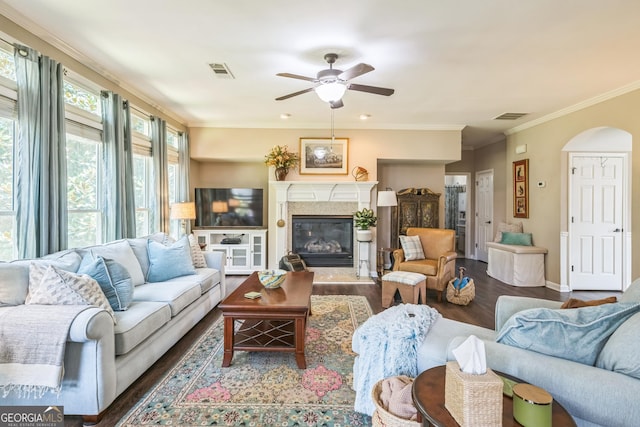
571 220
476 246
572 268
573 170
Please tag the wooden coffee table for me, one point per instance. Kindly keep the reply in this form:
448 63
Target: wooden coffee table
428 396
274 322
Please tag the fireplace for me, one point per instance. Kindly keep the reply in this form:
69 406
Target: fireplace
323 240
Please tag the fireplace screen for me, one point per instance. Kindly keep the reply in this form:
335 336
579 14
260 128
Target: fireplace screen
323 241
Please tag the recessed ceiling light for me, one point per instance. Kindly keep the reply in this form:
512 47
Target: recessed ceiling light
285 116
364 116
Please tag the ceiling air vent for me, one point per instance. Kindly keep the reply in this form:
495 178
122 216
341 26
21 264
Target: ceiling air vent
510 116
221 70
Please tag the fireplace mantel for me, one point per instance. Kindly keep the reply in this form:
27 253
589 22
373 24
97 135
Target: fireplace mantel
286 192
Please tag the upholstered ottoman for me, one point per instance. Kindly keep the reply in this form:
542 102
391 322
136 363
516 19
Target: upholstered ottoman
410 285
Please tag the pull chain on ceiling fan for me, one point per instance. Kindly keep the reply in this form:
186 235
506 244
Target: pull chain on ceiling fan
331 83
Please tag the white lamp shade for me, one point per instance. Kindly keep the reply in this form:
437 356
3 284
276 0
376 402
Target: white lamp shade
387 198
183 210
330 92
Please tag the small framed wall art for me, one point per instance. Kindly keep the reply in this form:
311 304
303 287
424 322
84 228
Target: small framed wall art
521 188
324 156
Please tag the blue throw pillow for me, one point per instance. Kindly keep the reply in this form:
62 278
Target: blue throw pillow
167 262
113 278
521 239
577 334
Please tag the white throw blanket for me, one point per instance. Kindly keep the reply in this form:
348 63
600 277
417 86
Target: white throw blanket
32 343
388 345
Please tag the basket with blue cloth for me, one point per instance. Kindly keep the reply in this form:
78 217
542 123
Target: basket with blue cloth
461 290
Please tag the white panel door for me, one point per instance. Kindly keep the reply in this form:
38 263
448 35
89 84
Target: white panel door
484 213
596 222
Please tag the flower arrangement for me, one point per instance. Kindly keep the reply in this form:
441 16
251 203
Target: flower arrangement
281 157
365 218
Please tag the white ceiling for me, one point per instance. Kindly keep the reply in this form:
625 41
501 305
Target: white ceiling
452 63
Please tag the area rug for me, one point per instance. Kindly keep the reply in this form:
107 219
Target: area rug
264 388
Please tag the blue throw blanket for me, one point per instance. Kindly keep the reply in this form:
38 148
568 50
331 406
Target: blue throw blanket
388 344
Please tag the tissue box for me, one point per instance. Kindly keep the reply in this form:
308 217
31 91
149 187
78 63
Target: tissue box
473 400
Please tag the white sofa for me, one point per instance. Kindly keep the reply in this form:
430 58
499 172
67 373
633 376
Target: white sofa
516 265
102 359
593 395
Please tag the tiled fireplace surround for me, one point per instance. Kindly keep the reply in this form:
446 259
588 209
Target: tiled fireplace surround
320 198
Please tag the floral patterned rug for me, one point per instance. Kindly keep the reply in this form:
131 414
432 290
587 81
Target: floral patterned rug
264 388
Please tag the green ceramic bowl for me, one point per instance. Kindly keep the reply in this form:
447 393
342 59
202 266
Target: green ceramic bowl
272 279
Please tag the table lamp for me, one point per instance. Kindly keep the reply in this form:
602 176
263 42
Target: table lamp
183 211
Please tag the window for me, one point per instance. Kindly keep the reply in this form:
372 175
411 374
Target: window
8 133
7 214
84 162
141 183
83 191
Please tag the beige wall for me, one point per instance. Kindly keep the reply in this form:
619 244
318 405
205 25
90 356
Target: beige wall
544 145
401 175
214 174
365 146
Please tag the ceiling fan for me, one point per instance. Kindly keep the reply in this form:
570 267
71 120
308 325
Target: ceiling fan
331 84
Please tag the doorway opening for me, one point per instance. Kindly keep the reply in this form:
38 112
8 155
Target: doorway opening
455 209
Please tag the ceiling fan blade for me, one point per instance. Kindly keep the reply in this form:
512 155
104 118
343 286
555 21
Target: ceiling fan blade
336 104
291 95
371 89
355 71
296 76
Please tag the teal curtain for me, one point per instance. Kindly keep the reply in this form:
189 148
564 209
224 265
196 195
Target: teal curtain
117 156
182 177
41 155
160 180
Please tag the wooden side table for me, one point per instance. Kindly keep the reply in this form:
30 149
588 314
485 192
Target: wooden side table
428 396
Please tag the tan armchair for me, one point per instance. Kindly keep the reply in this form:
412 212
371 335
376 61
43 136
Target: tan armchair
439 264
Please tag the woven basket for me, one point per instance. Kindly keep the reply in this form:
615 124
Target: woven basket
461 296
382 417
473 400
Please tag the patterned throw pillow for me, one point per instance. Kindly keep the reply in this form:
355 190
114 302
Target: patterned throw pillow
48 285
196 254
113 278
412 248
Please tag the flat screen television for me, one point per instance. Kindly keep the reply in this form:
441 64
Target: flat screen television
229 207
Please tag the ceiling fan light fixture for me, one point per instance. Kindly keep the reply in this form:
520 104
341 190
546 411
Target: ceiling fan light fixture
330 92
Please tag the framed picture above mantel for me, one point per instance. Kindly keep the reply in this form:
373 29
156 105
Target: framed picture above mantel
521 188
324 156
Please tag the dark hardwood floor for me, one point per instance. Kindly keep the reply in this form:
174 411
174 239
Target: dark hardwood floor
479 312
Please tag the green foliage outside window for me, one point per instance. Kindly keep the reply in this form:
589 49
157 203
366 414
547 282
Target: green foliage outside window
81 98
7 65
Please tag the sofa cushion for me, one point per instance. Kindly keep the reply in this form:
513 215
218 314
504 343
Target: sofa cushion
112 277
521 239
49 285
207 278
121 252
578 334
14 275
14 283
178 292
632 294
412 248
506 226
167 262
139 247
136 324
621 353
